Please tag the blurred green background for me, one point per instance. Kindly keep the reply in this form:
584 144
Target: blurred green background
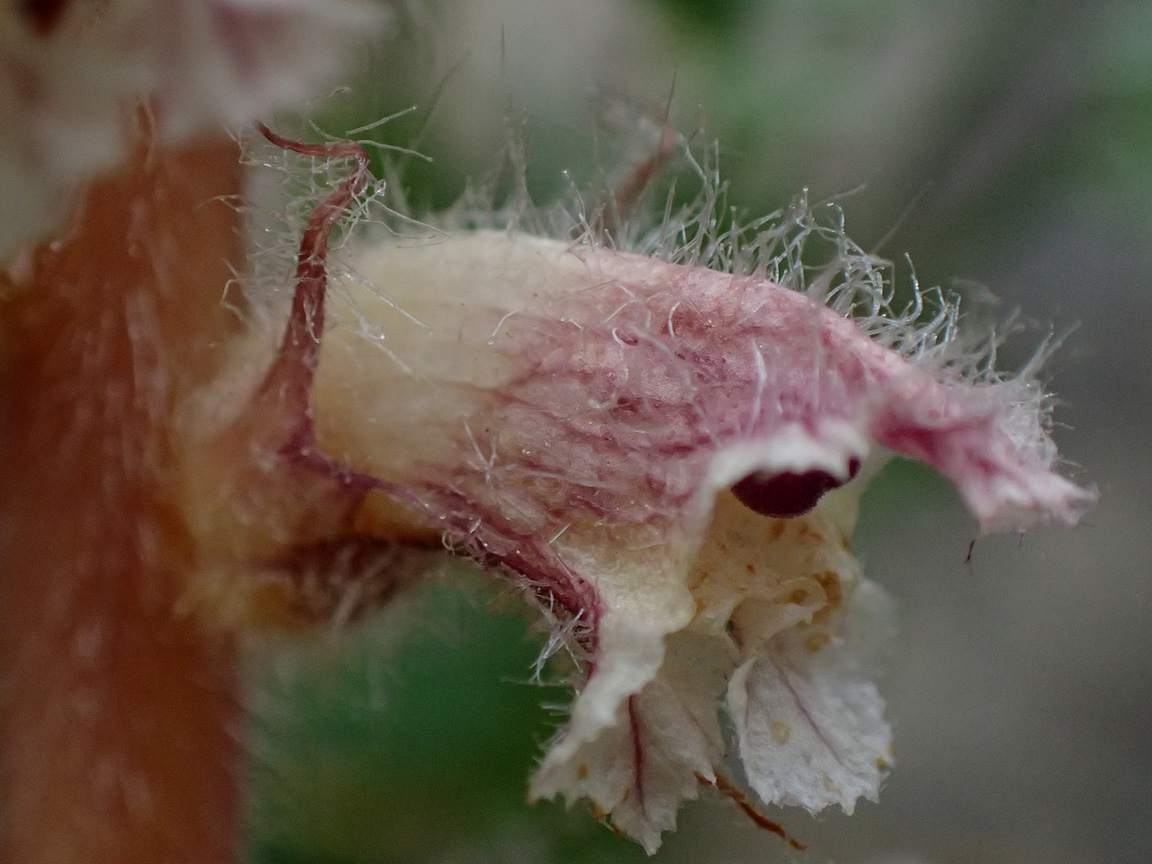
1005 147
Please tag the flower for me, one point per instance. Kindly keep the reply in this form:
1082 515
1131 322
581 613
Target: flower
665 457
660 450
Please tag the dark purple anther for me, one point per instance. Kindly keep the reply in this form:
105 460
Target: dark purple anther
788 493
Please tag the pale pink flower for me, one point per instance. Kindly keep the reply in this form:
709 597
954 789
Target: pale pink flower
655 452
652 443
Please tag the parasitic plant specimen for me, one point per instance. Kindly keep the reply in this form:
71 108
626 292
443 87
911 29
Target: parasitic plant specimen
655 434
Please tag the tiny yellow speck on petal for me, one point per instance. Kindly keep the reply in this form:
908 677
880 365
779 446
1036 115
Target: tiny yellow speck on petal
780 732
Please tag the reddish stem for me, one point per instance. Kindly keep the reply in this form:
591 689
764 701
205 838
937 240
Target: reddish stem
295 366
735 794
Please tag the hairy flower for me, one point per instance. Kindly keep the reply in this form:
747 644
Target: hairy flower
654 450
645 446
651 443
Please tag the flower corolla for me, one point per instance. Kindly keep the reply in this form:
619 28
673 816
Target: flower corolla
662 455
660 446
